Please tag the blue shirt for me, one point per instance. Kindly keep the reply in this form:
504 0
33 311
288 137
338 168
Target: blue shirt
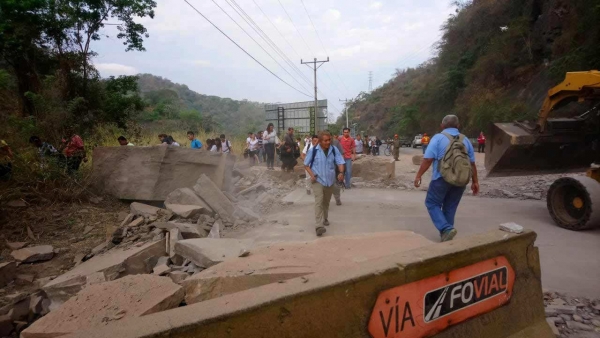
324 166
437 148
196 144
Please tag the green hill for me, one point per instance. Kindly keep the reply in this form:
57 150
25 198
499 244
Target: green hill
168 100
495 62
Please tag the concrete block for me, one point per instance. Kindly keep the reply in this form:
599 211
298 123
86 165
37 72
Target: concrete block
178 276
214 197
107 267
137 222
97 305
206 252
8 272
140 209
33 254
174 237
162 170
372 168
187 196
187 230
417 159
283 261
562 309
186 211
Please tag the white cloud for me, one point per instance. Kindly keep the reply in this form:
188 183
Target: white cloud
201 63
332 15
376 5
114 69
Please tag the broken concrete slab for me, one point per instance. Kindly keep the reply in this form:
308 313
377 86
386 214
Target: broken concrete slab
245 214
417 159
162 170
257 188
162 266
95 306
113 264
24 279
372 168
206 252
140 209
137 222
178 276
215 230
214 197
16 245
127 219
187 196
187 211
187 230
174 237
8 271
33 254
229 195
282 261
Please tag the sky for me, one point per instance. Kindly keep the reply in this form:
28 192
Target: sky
358 36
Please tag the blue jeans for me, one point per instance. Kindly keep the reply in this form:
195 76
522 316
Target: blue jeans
442 201
424 148
348 175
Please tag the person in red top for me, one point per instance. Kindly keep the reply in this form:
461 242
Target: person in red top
481 142
73 151
349 148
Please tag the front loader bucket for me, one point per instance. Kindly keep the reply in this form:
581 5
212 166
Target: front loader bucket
512 150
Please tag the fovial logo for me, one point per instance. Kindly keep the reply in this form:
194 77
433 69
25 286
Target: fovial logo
460 295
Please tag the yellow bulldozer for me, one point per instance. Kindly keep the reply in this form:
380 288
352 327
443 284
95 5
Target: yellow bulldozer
564 139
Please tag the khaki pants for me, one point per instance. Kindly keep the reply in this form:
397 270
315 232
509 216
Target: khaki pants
396 153
308 181
336 191
322 198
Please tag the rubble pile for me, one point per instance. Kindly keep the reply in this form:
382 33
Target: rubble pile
572 317
154 247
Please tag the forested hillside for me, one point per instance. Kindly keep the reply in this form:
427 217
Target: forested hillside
168 100
495 62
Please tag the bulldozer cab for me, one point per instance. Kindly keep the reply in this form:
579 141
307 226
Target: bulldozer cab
569 141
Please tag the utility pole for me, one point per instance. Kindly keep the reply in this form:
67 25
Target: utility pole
346 111
370 81
314 67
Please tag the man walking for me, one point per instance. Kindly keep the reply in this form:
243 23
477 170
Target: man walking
481 143
397 144
359 146
453 161
349 151
194 142
337 191
425 142
318 163
225 144
311 144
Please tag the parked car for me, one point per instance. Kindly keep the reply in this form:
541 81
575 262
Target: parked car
406 141
417 141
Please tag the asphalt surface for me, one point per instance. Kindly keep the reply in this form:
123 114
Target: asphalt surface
570 260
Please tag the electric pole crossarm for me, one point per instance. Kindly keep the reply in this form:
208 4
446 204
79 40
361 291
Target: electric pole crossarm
314 67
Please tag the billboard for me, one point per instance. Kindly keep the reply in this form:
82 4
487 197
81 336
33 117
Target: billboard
299 115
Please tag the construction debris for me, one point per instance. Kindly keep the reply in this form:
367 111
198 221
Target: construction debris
8 272
214 197
206 252
33 254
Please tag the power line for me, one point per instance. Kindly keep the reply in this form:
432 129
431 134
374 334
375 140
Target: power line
250 36
240 47
296 28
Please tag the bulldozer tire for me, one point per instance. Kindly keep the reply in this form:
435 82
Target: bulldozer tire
574 203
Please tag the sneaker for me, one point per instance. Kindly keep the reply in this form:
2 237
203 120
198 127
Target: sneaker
448 235
325 222
308 191
321 231
338 202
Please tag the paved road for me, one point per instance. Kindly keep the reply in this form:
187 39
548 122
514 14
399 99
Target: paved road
570 260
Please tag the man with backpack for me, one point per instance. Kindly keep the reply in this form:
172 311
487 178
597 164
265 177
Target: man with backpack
453 161
319 164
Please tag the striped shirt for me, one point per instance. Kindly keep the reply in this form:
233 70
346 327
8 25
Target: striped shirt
324 165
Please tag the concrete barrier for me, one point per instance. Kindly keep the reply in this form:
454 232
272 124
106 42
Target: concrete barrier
152 173
348 302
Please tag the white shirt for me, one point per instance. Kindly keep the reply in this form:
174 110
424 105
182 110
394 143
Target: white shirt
214 148
225 146
175 144
248 140
307 147
270 137
358 145
253 144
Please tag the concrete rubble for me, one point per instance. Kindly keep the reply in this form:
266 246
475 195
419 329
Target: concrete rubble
214 197
571 317
33 254
131 296
371 168
8 271
206 252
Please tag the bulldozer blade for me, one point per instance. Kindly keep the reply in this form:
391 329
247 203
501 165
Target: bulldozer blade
514 151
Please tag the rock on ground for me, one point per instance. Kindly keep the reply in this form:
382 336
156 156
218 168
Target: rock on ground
97 305
187 230
140 209
371 168
8 272
206 252
107 267
214 197
33 254
187 211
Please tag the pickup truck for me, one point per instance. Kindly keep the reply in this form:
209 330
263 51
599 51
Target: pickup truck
417 141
